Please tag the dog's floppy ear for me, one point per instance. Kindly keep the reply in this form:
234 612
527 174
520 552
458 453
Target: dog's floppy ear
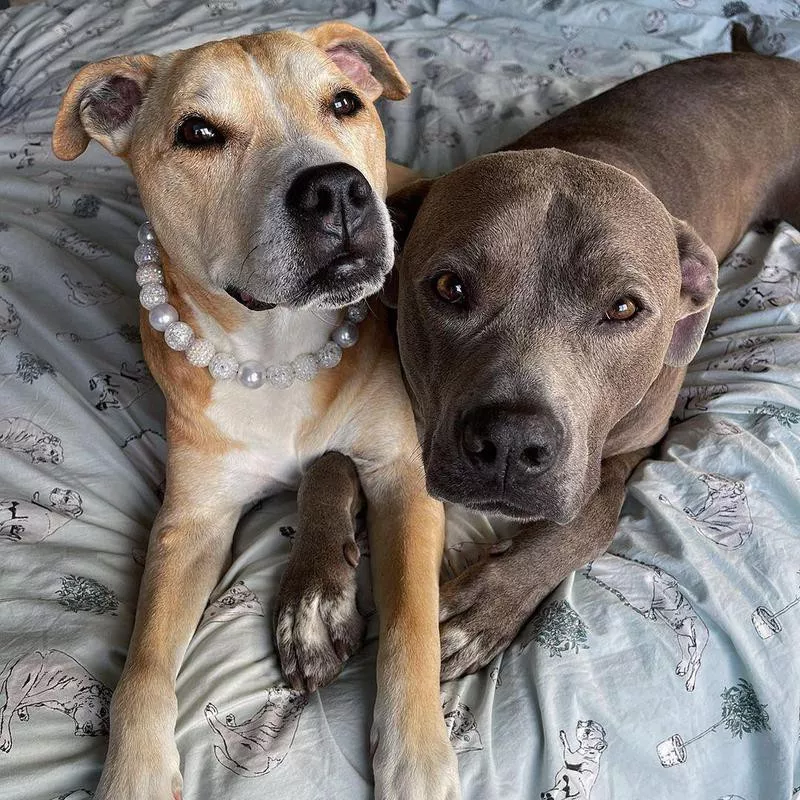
698 290
101 103
362 58
403 207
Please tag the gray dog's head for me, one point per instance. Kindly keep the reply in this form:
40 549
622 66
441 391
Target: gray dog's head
260 160
539 296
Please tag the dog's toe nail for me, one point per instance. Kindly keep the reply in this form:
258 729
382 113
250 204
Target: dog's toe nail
351 553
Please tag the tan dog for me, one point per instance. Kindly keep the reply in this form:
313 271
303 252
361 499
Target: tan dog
261 164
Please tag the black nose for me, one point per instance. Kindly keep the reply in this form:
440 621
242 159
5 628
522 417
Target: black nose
518 443
333 199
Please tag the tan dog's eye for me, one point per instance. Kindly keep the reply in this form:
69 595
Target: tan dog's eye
621 310
450 288
198 132
345 104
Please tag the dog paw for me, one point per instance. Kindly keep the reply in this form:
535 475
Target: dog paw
317 624
5 744
422 770
480 613
144 780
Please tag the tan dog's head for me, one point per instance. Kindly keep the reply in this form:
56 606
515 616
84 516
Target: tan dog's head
260 160
540 296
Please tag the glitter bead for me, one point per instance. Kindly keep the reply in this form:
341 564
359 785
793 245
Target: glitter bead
146 254
251 374
329 355
152 295
145 234
358 312
223 366
200 352
178 335
280 376
162 316
149 273
306 367
346 335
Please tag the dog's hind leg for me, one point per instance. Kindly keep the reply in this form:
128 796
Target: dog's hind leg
16 683
317 623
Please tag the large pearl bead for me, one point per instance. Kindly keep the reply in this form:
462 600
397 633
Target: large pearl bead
345 335
146 234
152 295
280 376
178 335
329 355
162 316
223 366
251 374
146 254
200 352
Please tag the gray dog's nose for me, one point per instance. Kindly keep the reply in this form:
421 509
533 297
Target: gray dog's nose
519 443
332 199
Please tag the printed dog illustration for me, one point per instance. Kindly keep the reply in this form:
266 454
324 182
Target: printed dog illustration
656 595
121 389
778 286
54 680
755 354
725 515
259 744
461 725
575 780
9 319
33 521
237 601
23 436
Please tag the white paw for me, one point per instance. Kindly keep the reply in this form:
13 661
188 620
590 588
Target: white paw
424 770
141 778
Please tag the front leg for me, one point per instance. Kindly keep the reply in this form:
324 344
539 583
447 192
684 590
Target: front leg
412 755
485 607
317 624
188 548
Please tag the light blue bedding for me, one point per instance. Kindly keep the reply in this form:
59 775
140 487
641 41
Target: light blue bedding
666 670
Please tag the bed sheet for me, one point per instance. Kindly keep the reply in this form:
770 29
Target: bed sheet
665 669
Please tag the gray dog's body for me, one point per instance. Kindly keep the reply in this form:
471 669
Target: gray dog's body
534 402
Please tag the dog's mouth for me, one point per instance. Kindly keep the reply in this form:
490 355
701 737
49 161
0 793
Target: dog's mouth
247 300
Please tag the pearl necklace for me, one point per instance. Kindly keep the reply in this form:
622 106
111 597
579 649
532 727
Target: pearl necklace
224 366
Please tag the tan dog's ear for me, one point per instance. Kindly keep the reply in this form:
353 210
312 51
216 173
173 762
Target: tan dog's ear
403 207
698 289
362 58
101 103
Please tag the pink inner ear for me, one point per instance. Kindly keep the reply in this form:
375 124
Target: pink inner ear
696 280
357 70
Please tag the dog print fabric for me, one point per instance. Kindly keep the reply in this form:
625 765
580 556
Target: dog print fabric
678 648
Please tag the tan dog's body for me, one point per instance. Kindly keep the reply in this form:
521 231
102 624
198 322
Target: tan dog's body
228 444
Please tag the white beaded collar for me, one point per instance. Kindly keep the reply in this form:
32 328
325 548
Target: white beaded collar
223 366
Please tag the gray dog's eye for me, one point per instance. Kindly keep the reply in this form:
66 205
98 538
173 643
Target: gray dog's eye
449 287
197 132
622 309
345 104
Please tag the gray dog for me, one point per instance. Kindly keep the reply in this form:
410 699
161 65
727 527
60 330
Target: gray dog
550 297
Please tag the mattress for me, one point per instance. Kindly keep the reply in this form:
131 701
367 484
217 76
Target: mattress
665 669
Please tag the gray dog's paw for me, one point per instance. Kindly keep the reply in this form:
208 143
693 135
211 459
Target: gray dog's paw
480 613
317 623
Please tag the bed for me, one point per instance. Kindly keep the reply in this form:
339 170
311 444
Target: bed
666 669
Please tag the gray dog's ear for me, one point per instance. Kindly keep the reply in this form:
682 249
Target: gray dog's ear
403 206
101 103
698 290
362 58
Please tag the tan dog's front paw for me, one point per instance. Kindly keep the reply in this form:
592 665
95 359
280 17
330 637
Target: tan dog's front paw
422 771
317 625
139 776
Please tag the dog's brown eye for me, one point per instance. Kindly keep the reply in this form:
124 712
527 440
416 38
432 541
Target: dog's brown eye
450 288
621 310
198 132
345 104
